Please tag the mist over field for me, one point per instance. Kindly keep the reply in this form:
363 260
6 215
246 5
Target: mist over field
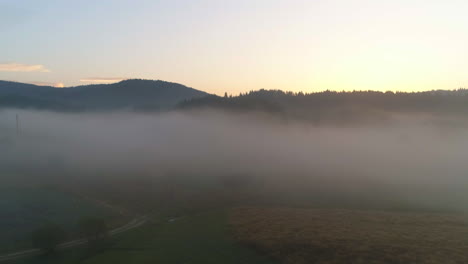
413 160
253 132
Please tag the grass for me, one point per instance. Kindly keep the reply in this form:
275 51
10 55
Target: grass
352 236
200 238
25 208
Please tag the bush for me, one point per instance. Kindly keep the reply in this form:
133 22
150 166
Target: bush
48 237
93 228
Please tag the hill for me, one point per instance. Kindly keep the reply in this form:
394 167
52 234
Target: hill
129 94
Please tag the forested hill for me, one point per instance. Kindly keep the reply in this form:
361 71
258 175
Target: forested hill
338 106
125 95
149 95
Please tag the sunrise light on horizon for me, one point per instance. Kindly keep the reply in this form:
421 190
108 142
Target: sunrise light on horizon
238 46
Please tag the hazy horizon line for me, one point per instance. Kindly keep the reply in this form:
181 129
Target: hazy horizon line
119 80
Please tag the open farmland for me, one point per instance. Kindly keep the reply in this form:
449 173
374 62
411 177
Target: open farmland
352 236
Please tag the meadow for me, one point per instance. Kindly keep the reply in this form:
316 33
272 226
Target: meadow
23 208
336 236
203 237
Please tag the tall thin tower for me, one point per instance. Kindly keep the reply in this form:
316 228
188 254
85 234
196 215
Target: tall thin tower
17 124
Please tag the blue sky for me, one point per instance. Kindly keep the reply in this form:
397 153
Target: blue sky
241 45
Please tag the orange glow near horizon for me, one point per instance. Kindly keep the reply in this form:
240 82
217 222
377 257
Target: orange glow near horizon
238 46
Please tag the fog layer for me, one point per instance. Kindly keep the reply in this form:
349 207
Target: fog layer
414 160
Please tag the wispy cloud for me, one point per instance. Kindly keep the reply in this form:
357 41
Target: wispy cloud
20 67
56 85
102 79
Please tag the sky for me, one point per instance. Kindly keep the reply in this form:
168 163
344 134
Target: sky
237 46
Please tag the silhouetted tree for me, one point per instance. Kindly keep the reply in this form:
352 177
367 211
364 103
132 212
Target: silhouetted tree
48 237
93 228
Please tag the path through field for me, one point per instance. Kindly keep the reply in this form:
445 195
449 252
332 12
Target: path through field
136 222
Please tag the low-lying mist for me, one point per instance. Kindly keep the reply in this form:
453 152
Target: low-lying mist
414 160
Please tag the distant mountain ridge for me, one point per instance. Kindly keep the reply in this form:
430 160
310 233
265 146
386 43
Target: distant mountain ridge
318 107
133 94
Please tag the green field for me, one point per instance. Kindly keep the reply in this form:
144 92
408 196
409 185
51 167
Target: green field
25 208
200 238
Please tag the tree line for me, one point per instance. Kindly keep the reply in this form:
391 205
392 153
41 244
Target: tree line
337 106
